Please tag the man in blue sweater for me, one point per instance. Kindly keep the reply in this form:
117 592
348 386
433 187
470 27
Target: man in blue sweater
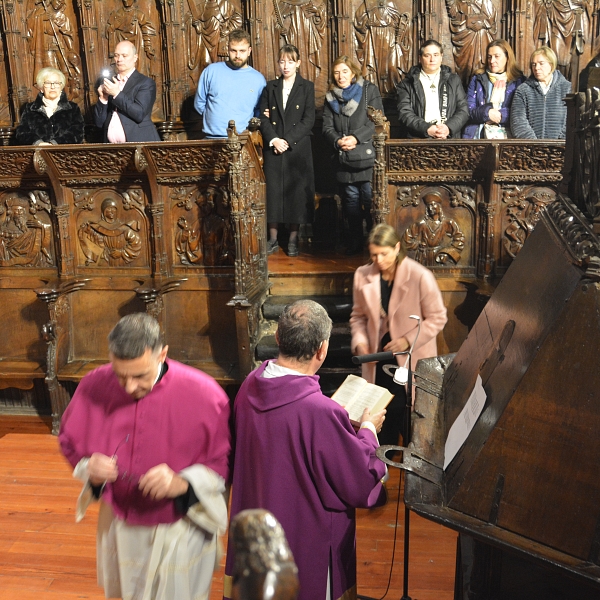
229 90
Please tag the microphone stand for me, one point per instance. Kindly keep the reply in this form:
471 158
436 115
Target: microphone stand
405 435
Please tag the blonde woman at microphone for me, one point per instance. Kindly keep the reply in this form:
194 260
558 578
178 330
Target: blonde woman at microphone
387 292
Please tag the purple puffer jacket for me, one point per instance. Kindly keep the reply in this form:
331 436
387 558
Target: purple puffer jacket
479 107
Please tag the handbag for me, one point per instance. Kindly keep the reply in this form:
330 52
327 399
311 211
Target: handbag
363 155
359 158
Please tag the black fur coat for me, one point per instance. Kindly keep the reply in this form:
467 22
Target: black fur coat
65 126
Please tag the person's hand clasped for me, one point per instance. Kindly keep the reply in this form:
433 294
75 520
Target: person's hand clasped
377 419
102 468
439 131
162 482
348 142
280 145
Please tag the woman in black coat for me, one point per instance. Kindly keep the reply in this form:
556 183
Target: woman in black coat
287 108
349 131
50 118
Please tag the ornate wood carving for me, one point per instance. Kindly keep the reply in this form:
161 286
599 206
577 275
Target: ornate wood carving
204 233
523 209
263 560
109 237
470 177
26 232
430 157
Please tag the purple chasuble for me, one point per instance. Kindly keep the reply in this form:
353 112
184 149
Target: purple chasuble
182 422
297 455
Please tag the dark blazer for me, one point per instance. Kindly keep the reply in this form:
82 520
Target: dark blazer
134 107
411 103
359 125
290 176
65 126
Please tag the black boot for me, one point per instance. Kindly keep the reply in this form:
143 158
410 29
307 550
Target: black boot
355 235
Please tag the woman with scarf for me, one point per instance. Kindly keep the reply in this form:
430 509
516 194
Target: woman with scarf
50 118
491 92
349 131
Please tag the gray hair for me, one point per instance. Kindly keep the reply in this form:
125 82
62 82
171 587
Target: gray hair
45 72
303 326
133 335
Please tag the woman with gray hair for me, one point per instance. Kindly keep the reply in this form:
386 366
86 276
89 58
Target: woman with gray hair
50 118
538 110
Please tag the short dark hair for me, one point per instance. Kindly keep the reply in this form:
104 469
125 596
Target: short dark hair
430 43
303 326
240 35
133 335
290 51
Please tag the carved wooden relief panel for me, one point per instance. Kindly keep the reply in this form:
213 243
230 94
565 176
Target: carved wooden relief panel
203 233
437 226
26 231
111 229
521 208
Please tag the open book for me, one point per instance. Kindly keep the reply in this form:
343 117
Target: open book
356 394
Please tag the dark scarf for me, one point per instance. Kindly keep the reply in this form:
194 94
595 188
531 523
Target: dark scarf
347 100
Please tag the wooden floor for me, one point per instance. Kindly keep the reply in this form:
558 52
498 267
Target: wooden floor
45 555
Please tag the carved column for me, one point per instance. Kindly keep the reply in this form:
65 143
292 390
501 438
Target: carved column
20 79
175 87
249 222
381 203
92 47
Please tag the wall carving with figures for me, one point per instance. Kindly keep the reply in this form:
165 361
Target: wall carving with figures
176 40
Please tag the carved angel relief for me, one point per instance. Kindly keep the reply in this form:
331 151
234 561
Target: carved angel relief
205 238
110 240
25 230
522 214
434 239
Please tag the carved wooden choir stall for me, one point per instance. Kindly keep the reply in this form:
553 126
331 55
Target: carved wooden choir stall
97 232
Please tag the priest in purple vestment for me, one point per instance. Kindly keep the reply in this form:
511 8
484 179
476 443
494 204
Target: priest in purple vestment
297 455
149 437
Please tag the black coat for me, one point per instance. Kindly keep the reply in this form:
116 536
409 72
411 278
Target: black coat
336 126
290 176
411 103
65 126
134 105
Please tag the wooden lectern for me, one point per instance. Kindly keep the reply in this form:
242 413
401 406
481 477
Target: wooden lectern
524 489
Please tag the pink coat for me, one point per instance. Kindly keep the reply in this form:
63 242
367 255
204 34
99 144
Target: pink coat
415 292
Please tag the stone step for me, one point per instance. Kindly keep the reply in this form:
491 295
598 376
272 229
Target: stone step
338 307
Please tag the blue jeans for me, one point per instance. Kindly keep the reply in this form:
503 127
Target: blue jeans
356 197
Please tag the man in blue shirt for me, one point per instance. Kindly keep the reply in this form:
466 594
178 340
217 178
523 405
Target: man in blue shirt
229 90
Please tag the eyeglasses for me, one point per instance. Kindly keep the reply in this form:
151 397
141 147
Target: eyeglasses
52 84
126 476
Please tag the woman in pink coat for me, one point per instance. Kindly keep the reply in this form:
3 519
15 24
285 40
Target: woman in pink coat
386 292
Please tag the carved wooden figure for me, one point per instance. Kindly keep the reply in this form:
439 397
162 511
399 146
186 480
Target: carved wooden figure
264 567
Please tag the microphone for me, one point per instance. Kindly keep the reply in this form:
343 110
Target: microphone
366 358
383 356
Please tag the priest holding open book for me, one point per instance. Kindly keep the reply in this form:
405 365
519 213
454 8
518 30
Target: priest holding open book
387 291
298 456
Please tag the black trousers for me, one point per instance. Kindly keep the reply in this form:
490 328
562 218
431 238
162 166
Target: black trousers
395 418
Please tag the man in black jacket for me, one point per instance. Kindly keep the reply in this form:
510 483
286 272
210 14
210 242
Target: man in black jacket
431 100
124 107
